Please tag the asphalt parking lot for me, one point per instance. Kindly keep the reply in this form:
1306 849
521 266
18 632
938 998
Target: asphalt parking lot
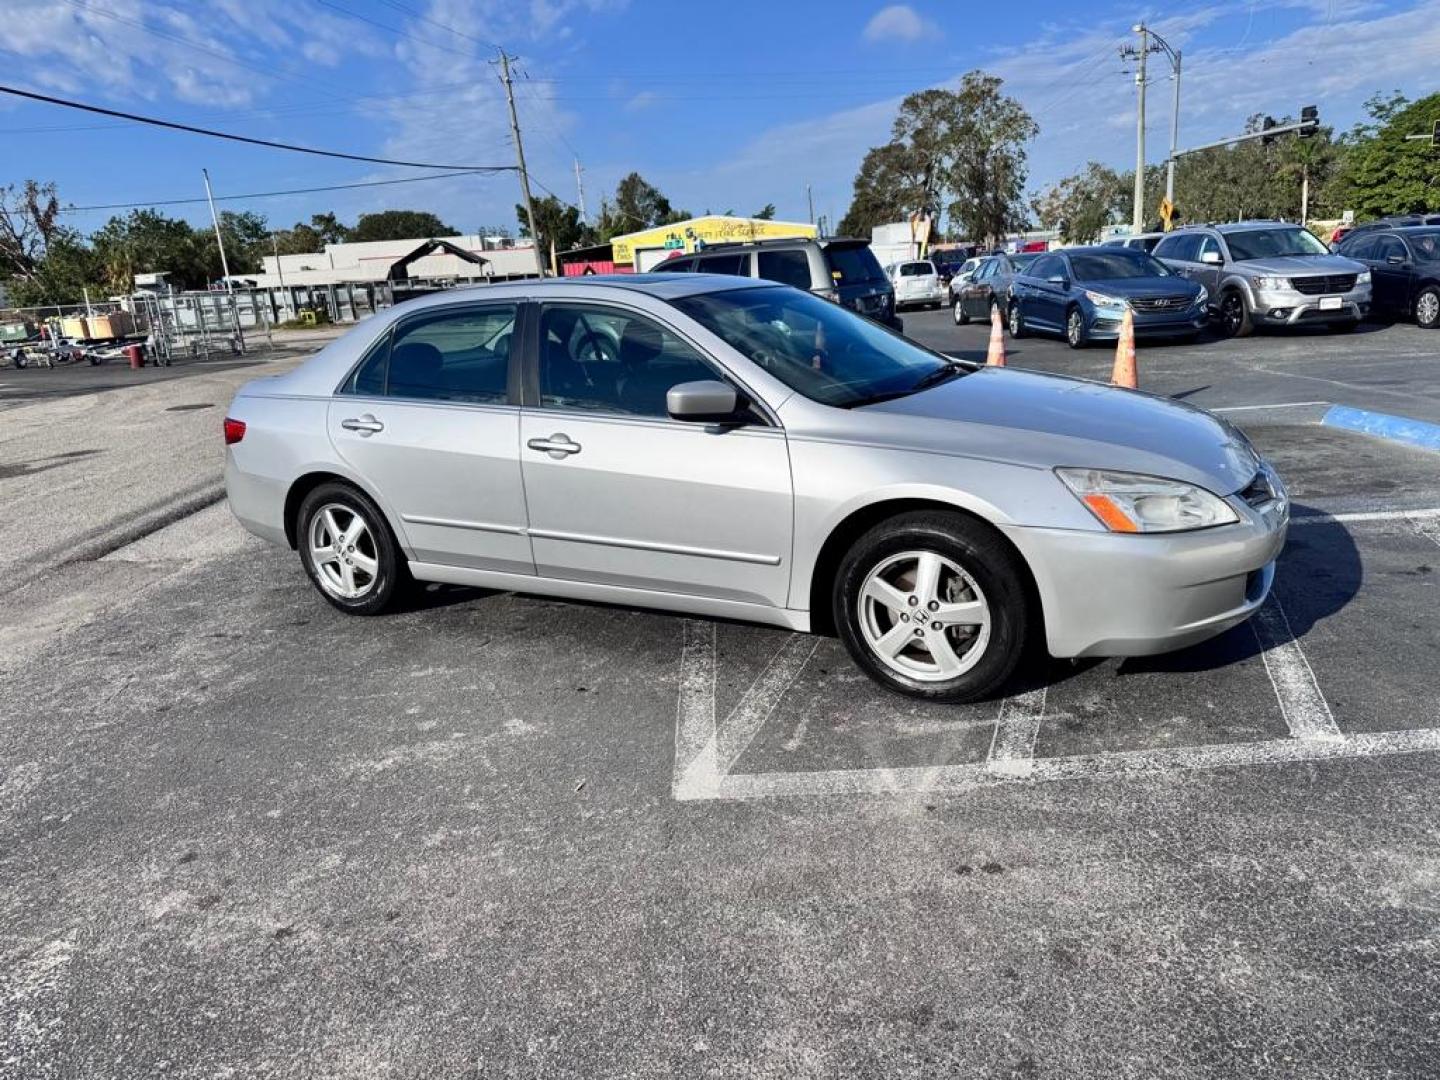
244 835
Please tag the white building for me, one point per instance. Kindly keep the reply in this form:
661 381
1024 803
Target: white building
369 263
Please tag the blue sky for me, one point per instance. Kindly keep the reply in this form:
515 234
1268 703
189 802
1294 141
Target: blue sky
723 106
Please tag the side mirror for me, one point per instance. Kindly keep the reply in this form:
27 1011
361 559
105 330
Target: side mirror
1210 258
1058 279
1395 260
707 401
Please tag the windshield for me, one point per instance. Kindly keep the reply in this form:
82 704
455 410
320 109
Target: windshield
853 265
817 348
1425 245
1271 243
1109 266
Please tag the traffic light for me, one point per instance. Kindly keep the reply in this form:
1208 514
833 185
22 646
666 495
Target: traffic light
1309 121
1266 140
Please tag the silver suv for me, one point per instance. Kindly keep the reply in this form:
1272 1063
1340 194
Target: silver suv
1269 273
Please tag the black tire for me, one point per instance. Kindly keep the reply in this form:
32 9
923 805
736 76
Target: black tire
962 317
976 549
1428 300
1076 335
1235 315
1015 320
392 575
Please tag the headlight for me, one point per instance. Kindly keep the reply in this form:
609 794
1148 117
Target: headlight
1101 300
1202 296
1363 278
1130 503
1272 283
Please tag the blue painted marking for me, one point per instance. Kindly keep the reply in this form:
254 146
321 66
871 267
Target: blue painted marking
1395 428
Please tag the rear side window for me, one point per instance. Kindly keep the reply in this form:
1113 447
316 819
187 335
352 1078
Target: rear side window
368 379
676 266
725 264
786 267
452 355
1183 248
853 265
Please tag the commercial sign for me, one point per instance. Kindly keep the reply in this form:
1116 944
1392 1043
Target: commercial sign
697 233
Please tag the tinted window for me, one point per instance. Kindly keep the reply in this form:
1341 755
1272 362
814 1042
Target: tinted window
1425 246
818 348
369 377
985 270
1387 247
1147 243
1108 266
853 265
786 267
611 360
1049 266
1178 247
676 266
725 264
1359 247
1022 262
916 269
1209 245
452 355
1270 243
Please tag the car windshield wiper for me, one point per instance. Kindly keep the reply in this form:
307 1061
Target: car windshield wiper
930 378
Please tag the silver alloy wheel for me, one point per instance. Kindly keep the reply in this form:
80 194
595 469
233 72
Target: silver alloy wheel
1014 320
343 551
1427 308
1075 327
957 312
924 617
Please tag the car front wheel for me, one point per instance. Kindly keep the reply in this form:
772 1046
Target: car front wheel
346 548
933 605
961 315
1075 335
1235 316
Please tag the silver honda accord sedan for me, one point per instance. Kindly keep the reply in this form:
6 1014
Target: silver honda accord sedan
734 448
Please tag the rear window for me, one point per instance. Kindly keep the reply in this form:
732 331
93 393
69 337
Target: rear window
853 265
916 269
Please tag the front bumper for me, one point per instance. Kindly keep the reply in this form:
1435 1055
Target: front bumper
1289 307
1109 594
1105 325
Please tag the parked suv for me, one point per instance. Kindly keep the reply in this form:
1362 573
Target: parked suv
1268 273
916 282
840 269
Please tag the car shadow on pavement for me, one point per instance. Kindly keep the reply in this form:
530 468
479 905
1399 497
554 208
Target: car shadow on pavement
431 596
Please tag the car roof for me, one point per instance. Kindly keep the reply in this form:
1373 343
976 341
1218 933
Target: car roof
663 286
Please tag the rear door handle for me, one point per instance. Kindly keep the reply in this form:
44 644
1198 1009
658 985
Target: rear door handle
366 425
558 446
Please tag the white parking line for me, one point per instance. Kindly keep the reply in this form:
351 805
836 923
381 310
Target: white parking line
1281 405
1428 527
1413 516
695 713
1012 750
759 701
1304 707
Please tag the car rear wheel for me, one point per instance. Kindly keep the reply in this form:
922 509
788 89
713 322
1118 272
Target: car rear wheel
933 605
1075 333
1235 316
1016 320
348 551
1427 308
961 315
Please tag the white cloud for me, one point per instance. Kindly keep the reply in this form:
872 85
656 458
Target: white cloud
898 22
643 100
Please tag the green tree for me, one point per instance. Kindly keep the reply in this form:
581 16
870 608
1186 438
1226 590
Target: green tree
62 276
247 240
145 241
29 222
399 225
766 214
1384 173
640 205
889 187
303 238
1080 206
329 228
558 223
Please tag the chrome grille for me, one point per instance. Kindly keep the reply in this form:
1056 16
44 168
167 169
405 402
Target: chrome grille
1160 303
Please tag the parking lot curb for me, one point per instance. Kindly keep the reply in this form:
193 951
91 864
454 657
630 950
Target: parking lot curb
1399 429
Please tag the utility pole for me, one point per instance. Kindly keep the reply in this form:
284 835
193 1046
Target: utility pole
580 191
810 201
1174 125
1142 54
520 160
224 263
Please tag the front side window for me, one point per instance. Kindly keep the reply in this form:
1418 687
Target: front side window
1109 266
460 355
1048 267
606 359
1209 246
1274 243
1388 247
985 270
1360 247
786 267
1021 263
818 348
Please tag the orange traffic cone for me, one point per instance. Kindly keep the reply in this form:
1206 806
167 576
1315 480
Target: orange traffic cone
1124 373
996 356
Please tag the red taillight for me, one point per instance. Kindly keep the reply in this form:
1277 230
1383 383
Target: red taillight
234 431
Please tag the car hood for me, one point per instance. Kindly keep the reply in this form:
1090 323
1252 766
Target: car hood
1144 286
1303 265
1048 421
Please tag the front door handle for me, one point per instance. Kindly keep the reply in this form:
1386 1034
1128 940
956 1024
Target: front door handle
366 425
558 446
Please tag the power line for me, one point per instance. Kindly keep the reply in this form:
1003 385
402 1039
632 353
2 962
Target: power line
443 26
394 30
173 126
261 194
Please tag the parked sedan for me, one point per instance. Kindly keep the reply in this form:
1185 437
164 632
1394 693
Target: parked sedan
753 451
1404 267
988 287
1083 293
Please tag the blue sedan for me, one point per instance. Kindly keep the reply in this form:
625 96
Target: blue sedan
1082 293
